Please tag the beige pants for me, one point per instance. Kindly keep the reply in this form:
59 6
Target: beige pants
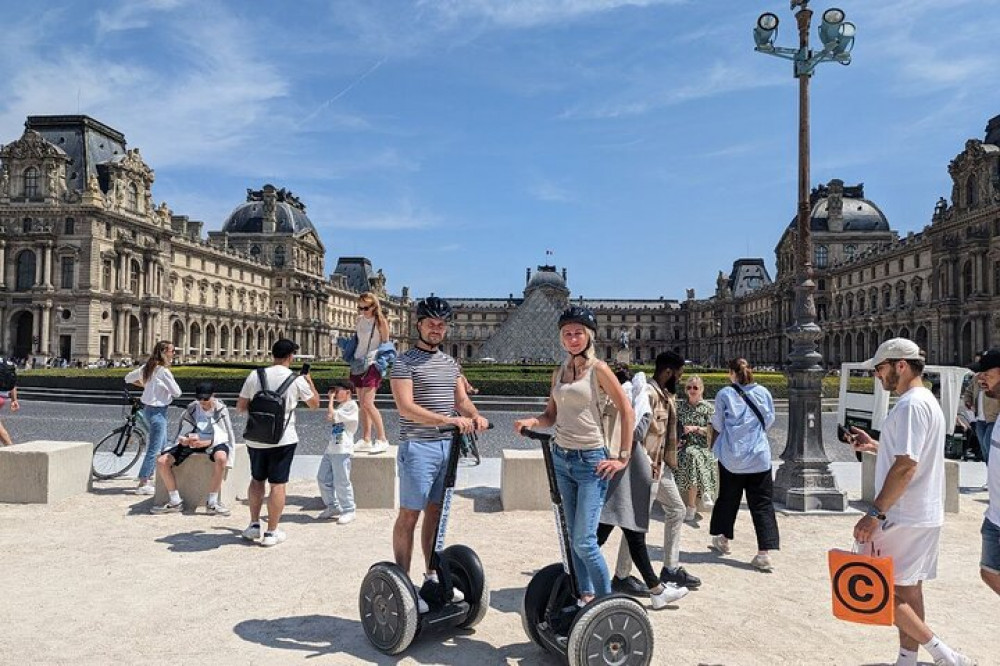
665 492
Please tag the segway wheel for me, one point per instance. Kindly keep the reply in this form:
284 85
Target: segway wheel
613 631
536 598
388 608
467 575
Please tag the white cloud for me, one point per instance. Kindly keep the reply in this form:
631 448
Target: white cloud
544 189
359 215
529 13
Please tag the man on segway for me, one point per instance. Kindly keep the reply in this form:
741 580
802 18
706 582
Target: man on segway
426 387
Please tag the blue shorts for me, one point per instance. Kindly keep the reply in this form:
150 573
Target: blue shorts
422 467
990 560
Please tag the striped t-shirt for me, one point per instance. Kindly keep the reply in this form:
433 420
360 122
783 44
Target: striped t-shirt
434 375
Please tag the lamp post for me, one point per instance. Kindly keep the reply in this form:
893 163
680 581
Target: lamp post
804 481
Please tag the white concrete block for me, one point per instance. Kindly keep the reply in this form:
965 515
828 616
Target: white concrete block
951 482
374 480
42 471
523 483
194 480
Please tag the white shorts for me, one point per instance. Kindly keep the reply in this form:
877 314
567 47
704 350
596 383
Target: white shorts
914 551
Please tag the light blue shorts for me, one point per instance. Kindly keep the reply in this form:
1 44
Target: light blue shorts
422 467
990 560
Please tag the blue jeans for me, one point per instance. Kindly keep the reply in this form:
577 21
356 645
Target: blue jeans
984 432
157 419
583 494
334 479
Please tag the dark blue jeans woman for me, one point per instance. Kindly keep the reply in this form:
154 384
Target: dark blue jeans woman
583 493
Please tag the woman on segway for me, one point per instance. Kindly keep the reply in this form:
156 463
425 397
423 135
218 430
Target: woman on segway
580 454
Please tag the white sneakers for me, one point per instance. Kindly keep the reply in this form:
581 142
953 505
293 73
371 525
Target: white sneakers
762 562
379 446
145 489
272 538
329 513
955 660
721 544
217 509
668 595
456 595
252 532
167 508
346 519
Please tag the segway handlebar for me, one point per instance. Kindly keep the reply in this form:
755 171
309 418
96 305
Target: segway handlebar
534 434
451 429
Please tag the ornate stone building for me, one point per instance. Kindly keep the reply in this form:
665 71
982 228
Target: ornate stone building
90 268
940 286
525 329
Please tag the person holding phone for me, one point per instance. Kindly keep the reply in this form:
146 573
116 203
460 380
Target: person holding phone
205 429
372 329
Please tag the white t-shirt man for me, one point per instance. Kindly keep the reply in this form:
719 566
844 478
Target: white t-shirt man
915 428
297 390
993 479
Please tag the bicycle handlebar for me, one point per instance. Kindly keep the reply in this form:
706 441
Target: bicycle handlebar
451 429
534 434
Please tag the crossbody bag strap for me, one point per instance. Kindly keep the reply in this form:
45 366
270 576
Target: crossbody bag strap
750 403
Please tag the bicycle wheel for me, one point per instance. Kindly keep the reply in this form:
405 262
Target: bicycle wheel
117 453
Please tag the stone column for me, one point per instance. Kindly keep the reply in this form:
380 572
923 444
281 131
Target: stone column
44 342
39 259
3 264
47 274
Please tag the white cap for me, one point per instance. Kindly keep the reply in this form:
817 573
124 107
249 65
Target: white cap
899 349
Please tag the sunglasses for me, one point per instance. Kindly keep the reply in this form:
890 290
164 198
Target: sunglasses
690 388
365 308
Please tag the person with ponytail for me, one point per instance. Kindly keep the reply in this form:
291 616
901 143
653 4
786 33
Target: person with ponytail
372 329
744 412
583 466
159 389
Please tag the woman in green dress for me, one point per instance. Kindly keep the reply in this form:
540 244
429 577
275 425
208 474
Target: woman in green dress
698 473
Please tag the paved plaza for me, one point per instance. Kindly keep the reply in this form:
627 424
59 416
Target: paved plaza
96 579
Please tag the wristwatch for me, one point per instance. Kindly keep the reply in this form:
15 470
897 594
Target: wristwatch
876 514
624 455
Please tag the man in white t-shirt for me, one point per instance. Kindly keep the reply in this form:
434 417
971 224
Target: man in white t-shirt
905 519
987 370
272 462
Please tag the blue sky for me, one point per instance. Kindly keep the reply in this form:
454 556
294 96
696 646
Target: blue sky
454 142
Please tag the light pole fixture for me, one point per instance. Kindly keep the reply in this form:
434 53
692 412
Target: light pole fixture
804 480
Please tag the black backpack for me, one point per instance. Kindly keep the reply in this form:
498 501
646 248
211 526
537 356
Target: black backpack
266 420
8 374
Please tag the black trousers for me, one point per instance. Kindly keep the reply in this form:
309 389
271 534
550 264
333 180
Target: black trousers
636 548
759 489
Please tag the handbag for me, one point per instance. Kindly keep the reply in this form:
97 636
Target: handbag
862 587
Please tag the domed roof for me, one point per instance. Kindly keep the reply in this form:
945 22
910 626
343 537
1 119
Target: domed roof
856 212
289 213
546 276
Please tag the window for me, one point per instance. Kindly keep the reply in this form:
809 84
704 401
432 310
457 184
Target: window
133 197
25 270
31 182
279 256
967 279
971 191
106 275
820 256
66 272
916 260
887 298
69 226
901 295
822 284
133 282
26 225
900 264
885 269
279 309
850 251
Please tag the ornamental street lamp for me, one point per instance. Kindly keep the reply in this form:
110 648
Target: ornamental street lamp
804 481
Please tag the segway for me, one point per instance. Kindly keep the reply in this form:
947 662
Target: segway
388 600
612 630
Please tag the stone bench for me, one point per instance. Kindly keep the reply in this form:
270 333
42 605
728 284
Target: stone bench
523 484
374 480
42 472
951 479
194 478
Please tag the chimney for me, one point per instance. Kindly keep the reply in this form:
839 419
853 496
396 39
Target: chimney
835 205
564 274
527 276
270 223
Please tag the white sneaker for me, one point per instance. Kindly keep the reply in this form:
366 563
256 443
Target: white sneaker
272 538
362 444
669 595
217 509
168 508
379 446
422 606
955 660
146 489
456 594
762 562
707 502
721 544
346 518
252 532
329 513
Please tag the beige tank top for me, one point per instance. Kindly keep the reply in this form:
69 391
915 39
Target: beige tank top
576 425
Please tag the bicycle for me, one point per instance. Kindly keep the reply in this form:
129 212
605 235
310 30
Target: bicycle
120 449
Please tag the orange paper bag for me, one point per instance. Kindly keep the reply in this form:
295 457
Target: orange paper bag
862 587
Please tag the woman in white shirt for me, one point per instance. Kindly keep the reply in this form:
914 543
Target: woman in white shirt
159 389
372 329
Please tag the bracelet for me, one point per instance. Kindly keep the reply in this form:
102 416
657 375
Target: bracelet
876 514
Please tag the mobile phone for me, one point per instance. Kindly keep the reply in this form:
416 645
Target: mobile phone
305 369
844 434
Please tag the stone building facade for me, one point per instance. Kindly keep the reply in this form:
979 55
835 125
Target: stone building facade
90 268
939 286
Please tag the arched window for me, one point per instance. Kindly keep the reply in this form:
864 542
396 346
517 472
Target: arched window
31 182
133 278
279 256
821 255
971 192
25 270
967 280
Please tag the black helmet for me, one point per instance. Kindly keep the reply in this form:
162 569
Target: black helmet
576 314
433 307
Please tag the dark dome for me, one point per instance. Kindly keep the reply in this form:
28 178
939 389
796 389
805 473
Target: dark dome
546 276
858 214
248 218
